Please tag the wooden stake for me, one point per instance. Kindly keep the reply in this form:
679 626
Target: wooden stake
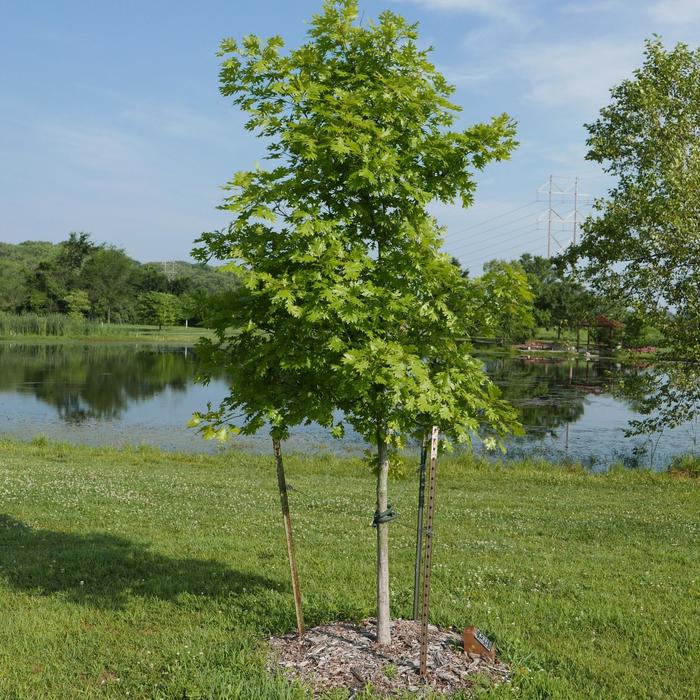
282 484
428 554
419 527
383 593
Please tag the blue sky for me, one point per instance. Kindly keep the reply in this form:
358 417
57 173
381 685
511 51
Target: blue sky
111 121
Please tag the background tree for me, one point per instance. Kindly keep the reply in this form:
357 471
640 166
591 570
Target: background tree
151 278
499 303
642 247
109 275
504 301
16 264
41 277
159 308
77 303
560 299
345 284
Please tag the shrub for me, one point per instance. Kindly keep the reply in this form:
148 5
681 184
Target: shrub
685 465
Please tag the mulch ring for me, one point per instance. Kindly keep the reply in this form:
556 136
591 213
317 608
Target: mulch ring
341 655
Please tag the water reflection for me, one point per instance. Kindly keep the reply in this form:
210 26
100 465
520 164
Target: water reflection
93 382
107 394
552 393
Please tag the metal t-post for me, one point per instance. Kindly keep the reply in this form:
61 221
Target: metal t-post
428 553
419 528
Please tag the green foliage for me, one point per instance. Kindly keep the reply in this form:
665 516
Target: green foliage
503 302
77 303
348 302
16 263
48 278
643 246
110 275
160 308
561 300
685 465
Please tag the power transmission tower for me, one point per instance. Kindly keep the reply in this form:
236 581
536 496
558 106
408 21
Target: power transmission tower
564 197
169 269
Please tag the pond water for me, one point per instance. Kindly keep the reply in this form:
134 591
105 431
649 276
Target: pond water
141 394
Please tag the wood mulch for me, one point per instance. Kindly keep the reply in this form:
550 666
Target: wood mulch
341 655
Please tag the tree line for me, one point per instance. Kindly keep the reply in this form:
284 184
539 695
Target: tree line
99 281
564 301
83 279
556 299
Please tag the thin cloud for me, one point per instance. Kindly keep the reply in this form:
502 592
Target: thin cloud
462 76
675 11
578 73
496 9
180 122
591 7
95 149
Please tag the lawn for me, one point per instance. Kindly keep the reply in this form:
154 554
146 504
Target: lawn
142 574
117 333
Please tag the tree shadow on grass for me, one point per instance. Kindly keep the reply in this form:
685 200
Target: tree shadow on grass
106 571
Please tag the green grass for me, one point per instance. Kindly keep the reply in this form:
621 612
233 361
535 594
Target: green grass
143 574
87 331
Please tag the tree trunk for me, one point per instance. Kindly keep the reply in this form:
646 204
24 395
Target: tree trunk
383 608
282 484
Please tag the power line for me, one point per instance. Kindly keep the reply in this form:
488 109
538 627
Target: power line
497 238
487 221
561 226
513 233
499 216
498 226
527 236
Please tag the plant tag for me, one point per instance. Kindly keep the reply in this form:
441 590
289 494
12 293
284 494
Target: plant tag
476 642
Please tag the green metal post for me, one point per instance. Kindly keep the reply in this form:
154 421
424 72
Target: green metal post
419 529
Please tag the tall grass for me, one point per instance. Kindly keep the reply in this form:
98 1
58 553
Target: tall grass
53 325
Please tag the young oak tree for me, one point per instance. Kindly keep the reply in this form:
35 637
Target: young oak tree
642 248
346 290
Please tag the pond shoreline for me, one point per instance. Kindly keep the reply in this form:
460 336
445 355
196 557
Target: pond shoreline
115 334
143 390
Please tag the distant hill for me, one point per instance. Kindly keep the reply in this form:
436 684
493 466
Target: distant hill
99 280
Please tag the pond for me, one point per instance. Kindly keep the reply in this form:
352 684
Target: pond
142 394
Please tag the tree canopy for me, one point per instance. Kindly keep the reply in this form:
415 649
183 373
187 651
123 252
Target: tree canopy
642 246
99 281
347 301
